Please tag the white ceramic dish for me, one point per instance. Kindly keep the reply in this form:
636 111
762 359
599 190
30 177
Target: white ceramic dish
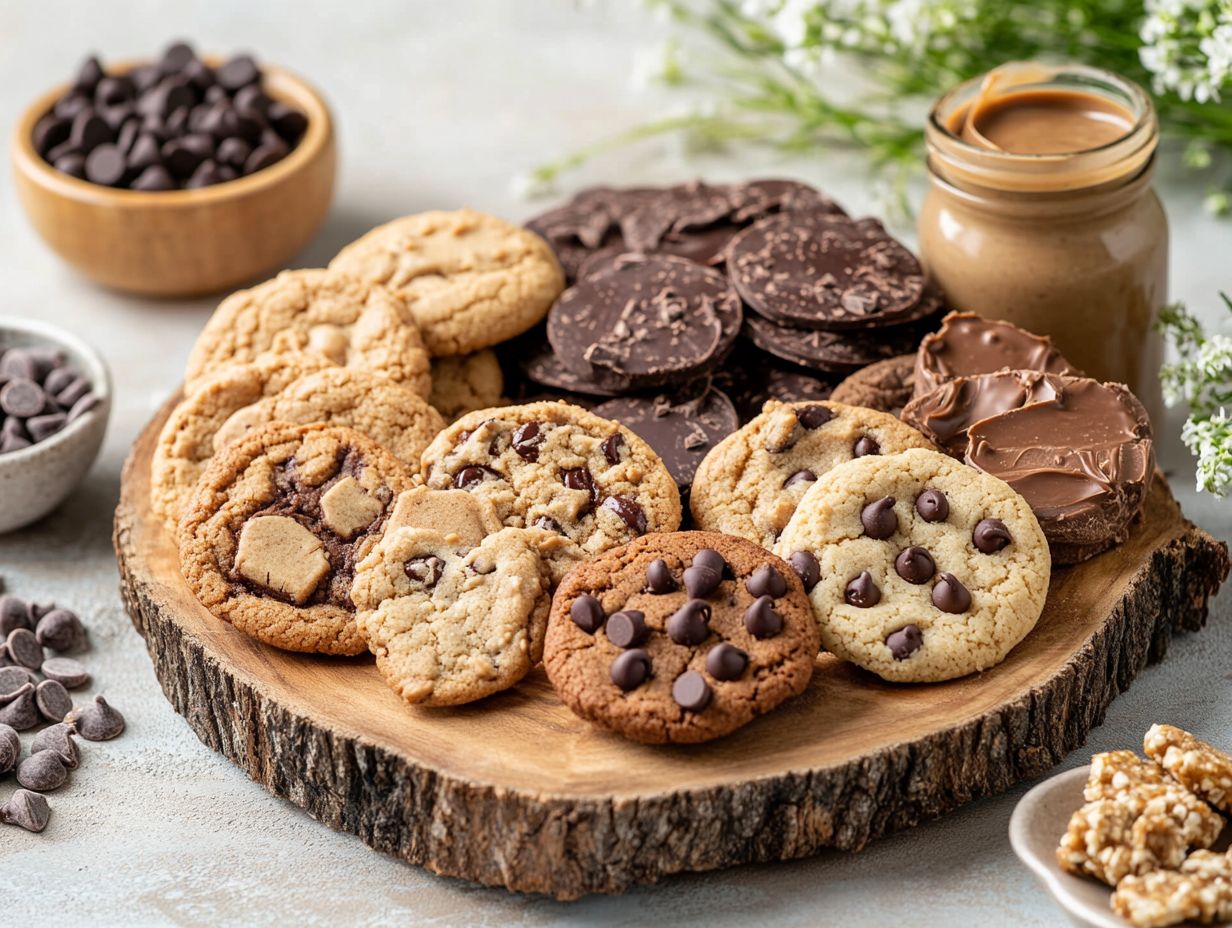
35 480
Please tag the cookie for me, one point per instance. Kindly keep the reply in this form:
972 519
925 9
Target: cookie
887 385
557 467
835 352
928 569
347 321
469 280
271 536
680 637
750 482
453 606
463 383
821 271
186 443
645 321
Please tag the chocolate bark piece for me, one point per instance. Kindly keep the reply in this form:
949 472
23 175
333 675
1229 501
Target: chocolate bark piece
821 271
968 344
1083 460
533 358
650 320
835 352
680 432
587 224
751 377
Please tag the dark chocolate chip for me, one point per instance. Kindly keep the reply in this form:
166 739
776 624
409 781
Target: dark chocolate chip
905 642
49 132
239 72
726 661
105 165
766 581
814 417
579 478
801 476
471 475
611 447
24 648
65 670
88 132
879 519
806 566
990 536
10 748
207 174
60 630
14 613
69 105
88 75
526 441
629 511
424 570
113 91
700 581
915 565
252 98
27 810
949 595
144 153
233 151
587 614
43 427
708 557
97 721
932 506
690 624
58 738
17 363
627 628
288 122
18 710
691 691
761 620
659 579
53 700
631 669
70 394
865 446
42 772
21 397
176 58
263 157
862 591
13 678
154 179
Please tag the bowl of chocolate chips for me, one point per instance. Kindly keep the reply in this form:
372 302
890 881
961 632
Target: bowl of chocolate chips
179 176
55 397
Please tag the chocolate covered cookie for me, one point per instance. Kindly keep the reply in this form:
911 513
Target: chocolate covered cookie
680 637
835 352
887 385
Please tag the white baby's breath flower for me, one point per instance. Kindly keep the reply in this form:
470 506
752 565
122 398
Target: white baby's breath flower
530 185
1187 46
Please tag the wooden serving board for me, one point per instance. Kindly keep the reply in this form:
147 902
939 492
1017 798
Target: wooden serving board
516 791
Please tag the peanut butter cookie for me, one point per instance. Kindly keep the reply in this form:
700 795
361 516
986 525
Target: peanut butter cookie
466 382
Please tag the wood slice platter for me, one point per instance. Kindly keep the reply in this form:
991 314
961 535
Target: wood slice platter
515 791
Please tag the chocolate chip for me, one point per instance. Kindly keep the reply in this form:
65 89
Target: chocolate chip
915 565
761 620
627 628
14 613
18 709
263 157
700 581
42 772
814 417
905 642
472 474
526 441
13 678
40 608
932 506
60 630
67 671
990 536
611 447
88 132
659 579
10 748
289 123
52 700
579 478
238 72
587 614
97 721
88 75
24 648
726 661
800 476
424 570
105 165
17 363
58 739
949 595
41 428
74 391
766 581
879 519
691 691
252 98
865 446
26 810
690 624
21 397
805 564
548 524
631 669
49 132
629 511
177 56
154 179
862 592
206 175
708 557
233 151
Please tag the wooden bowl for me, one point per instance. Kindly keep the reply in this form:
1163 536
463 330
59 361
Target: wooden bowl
181 243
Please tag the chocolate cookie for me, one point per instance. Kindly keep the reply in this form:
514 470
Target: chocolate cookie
751 378
272 534
835 352
587 225
886 385
926 569
646 320
538 363
821 271
680 637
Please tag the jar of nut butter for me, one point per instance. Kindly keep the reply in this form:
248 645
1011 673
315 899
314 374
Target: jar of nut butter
1040 211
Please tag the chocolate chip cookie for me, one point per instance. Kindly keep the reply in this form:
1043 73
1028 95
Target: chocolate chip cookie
887 385
680 637
349 322
927 569
452 612
466 382
557 467
469 280
272 534
750 483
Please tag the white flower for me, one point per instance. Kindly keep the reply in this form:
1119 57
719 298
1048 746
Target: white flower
1187 46
530 186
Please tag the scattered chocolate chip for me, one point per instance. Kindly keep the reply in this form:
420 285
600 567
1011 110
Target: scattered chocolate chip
14 613
18 709
932 506
52 700
24 648
690 624
629 511
766 581
905 642
726 662
40 608
72 674
472 474
879 519
915 565
60 630
806 566
700 581
862 592
801 476
587 614
611 447
627 628
691 691
10 748
42 772
526 441
96 721
708 557
26 810
990 536
659 579
58 739
13 678
761 620
631 669
865 446
949 595
424 570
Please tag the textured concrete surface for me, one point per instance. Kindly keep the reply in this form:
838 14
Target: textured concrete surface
438 106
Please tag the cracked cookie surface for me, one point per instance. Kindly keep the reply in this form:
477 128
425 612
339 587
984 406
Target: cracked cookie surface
466 382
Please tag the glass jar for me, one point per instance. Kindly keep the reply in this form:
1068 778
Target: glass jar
1071 244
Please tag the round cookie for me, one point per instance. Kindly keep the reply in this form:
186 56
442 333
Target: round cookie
680 637
452 612
557 467
886 385
470 280
751 482
463 383
186 443
347 321
928 569
271 536
835 352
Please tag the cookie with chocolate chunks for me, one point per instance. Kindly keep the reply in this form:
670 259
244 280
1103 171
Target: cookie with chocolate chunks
926 569
680 637
887 385
271 536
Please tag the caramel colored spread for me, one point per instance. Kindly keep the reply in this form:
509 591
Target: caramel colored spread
1041 122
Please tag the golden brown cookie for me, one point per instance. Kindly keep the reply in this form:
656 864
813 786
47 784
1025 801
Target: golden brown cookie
466 382
350 322
272 534
886 385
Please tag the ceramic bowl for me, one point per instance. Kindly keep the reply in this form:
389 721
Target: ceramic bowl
35 480
181 243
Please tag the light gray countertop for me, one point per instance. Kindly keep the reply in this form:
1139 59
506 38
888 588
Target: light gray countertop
438 106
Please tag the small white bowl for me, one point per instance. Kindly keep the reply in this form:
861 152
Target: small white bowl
35 480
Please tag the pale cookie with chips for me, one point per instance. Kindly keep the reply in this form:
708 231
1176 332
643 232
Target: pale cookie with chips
466 382
750 483
347 321
929 569
470 280
1201 768
271 536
